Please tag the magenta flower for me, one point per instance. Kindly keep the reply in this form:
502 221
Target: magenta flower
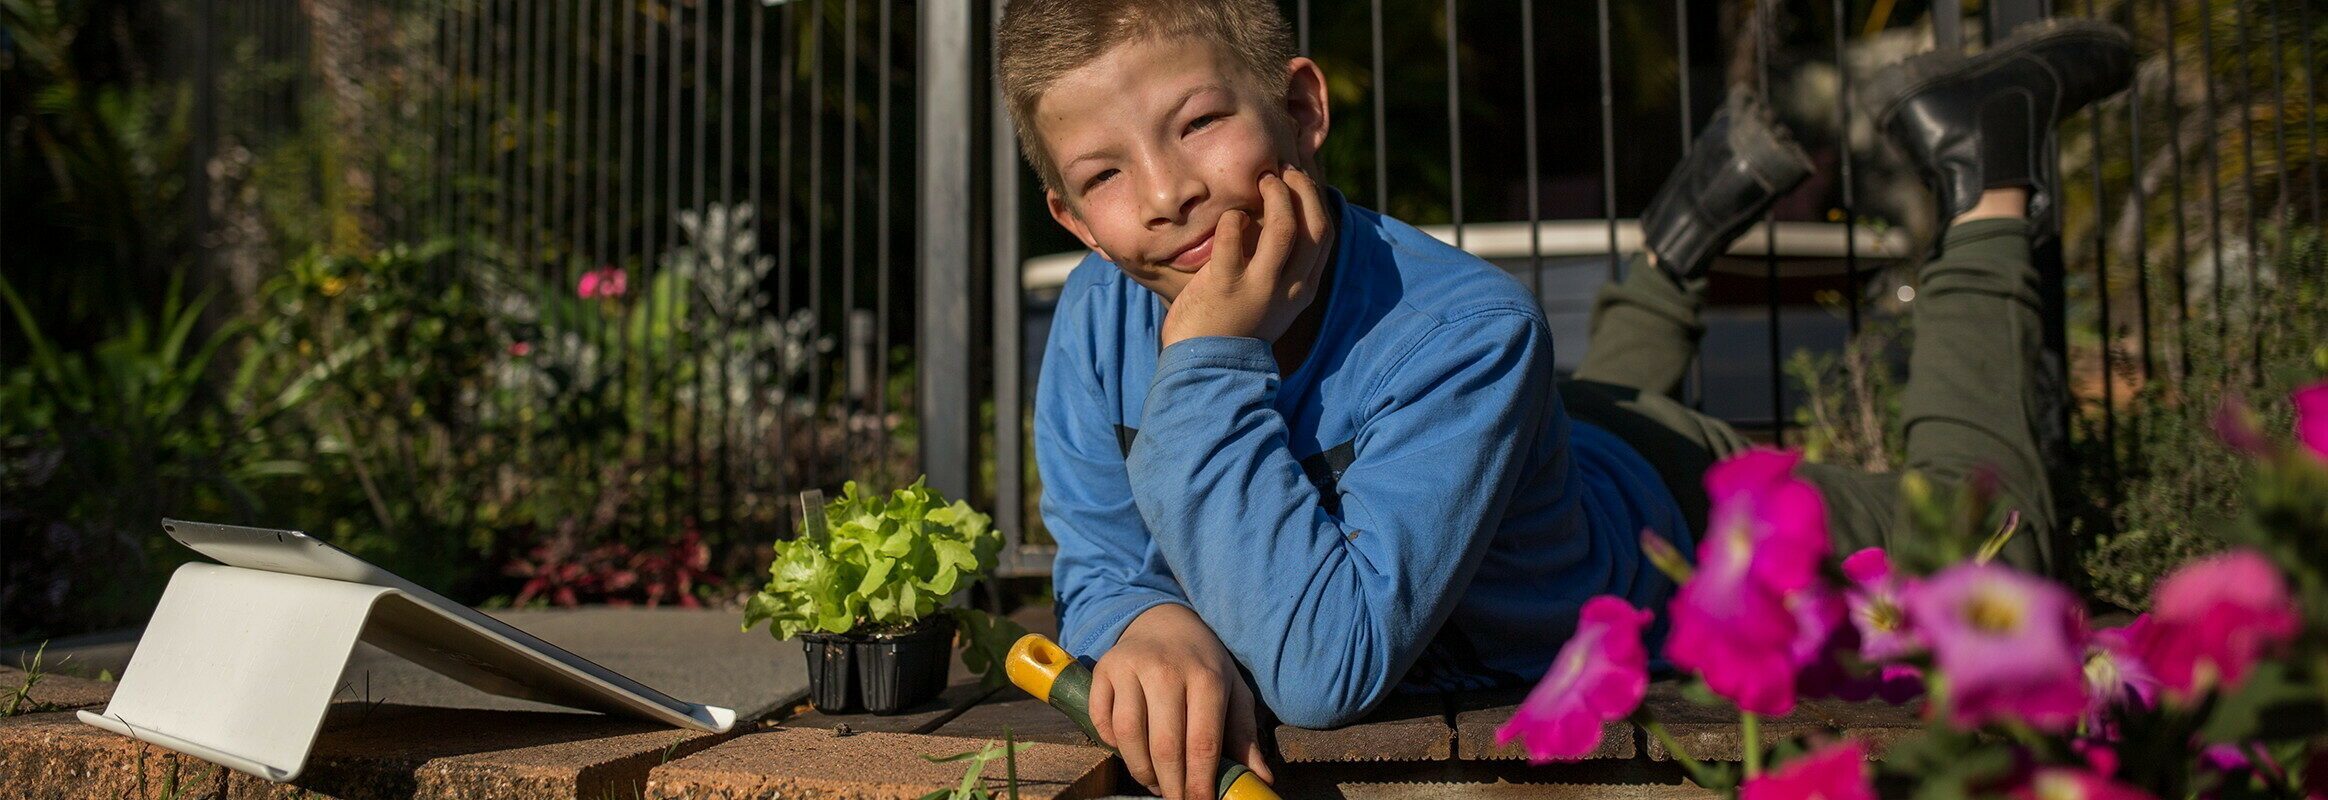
1874 600
1835 772
2070 783
2115 677
608 282
2212 619
1732 622
2008 643
2312 418
1599 676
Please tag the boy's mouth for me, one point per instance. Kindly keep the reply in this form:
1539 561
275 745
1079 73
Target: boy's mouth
1195 255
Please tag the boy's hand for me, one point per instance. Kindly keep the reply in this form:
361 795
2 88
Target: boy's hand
1168 698
1259 297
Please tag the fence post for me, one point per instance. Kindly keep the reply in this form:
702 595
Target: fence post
943 182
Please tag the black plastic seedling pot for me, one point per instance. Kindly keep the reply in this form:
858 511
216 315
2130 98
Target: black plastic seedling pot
897 671
832 672
884 673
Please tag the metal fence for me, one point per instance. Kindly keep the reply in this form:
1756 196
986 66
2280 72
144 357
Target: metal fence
821 196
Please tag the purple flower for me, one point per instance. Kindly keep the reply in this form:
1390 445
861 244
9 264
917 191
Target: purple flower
1874 599
608 282
2114 676
2007 642
1599 676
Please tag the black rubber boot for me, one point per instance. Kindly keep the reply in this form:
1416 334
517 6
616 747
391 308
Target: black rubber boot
1973 123
1741 162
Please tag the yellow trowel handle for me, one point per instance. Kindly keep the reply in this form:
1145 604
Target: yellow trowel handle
1038 665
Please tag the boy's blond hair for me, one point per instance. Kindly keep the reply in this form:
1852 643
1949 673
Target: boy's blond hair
1040 40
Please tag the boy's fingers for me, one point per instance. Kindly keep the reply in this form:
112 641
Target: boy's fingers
1277 226
1102 710
1244 735
1228 255
1131 734
1167 725
1207 717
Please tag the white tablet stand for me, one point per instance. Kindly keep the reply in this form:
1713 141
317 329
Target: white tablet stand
239 665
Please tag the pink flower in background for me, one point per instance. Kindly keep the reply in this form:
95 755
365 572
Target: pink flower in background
1599 676
1733 623
2212 619
1835 772
2008 642
607 282
2069 783
2312 417
520 349
1780 519
2115 676
1874 599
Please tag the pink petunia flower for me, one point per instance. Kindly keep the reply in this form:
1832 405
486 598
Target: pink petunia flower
2008 643
1599 676
1874 599
1835 772
607 282
2312 418
1732 622
2069 783
2212 619
2115 676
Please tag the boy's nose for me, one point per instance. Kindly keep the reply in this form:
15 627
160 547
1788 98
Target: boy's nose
1172 197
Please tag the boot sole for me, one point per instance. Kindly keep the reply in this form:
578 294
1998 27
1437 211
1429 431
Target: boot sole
1890 88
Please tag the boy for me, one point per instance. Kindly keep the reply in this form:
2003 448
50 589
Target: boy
1284 434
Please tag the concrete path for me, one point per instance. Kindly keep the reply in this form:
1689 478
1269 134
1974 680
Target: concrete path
697 656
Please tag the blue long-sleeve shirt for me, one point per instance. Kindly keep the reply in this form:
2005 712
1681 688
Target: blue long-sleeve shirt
1411 504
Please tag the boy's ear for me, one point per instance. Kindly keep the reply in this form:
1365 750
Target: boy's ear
1305 102
1065 215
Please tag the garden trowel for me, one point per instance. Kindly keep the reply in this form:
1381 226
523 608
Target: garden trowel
1044 670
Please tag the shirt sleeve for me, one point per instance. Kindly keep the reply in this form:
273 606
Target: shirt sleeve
1328 610
1108 569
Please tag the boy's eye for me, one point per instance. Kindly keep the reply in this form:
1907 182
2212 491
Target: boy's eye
1098 179
1203 121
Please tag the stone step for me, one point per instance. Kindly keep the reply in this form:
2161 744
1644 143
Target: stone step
814 762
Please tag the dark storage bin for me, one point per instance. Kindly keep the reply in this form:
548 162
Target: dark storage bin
832 675
897 671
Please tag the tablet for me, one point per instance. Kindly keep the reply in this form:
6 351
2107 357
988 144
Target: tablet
459 642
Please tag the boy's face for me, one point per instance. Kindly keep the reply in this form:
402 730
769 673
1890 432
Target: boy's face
1157 137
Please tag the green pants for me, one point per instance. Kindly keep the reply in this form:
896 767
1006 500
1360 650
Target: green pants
1973 399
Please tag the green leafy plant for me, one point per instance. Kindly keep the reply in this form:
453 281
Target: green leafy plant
878 563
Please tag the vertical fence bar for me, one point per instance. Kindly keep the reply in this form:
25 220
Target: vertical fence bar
742 312
2247 193
1764 30
1381 132
667 388
1608 109
2279 154
628 212
881 245
1686 102
2214 186
1302 24
1535 178
2182 258
944 185
2140 200
849 265
755 379
706 250
1850 215
2311 106
1009 391
2101 243
786 73
1454 129
1947 24
816 210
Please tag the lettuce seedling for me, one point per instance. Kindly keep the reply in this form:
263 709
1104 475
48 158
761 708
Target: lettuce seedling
879 564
